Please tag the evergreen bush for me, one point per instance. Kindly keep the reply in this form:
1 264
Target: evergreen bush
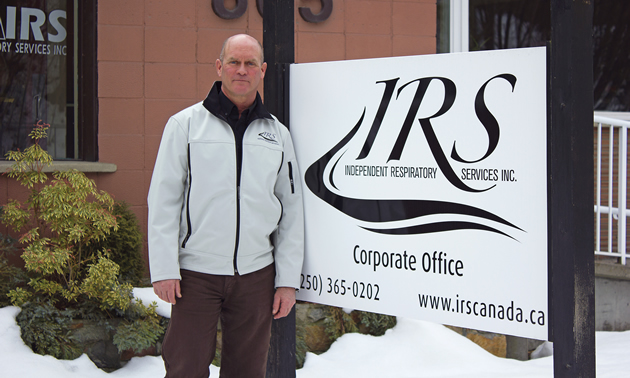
10 276
61 224
124 245
46 330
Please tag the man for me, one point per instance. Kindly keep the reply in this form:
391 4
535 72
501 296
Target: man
225 222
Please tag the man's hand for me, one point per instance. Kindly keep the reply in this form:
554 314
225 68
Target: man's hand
167 290
283 301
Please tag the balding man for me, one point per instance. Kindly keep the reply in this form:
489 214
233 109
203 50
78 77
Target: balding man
225 222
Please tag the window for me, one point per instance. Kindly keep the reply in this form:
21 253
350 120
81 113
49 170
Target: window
508 24
45 47
504 24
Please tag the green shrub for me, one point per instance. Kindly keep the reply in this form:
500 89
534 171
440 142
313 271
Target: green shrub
62 224
10 276
124 245
140 330
58 220
46 330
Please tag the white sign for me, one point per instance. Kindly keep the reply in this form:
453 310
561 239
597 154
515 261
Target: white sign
425 187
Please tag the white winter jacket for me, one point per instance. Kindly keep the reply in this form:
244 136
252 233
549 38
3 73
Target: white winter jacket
202 219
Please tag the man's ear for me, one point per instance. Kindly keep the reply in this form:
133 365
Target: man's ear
218 66
263 69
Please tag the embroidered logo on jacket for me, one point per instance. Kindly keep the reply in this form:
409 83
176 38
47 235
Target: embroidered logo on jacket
268 137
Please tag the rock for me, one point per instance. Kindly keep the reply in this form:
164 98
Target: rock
105 355
492 342
95 340
310 320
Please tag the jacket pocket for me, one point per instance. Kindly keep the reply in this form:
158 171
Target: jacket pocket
291 177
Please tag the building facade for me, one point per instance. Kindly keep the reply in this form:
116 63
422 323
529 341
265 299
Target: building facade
106 75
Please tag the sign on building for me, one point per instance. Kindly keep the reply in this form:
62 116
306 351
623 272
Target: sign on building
425 187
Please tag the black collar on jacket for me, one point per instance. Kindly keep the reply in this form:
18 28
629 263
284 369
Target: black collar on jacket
213 104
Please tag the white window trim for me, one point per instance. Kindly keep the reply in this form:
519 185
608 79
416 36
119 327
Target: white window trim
459 25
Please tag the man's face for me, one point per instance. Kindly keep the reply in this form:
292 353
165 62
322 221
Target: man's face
241 69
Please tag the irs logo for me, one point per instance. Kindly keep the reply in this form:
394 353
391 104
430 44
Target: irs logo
381 213
268 137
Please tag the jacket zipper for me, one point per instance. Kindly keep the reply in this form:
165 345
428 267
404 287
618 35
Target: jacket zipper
238 226
239 162
188 202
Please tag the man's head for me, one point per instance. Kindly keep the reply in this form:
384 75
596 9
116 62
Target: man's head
225 43
241 68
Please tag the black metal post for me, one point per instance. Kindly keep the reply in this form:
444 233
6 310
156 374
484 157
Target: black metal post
572 283
279 45
88 83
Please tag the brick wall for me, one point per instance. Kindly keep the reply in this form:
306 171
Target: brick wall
156 57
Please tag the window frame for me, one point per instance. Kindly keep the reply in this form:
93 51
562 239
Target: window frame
87 75
459 36
86 90
459 32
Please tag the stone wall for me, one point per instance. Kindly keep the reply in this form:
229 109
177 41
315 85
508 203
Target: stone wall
612 296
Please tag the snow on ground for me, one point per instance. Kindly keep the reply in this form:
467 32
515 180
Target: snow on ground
412 349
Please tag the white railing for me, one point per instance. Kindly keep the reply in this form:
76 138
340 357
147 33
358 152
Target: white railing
615 178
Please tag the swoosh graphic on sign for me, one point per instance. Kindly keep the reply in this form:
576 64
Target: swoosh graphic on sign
436 227
389 210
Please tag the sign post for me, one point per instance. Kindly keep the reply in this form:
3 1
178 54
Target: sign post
278 43
572 282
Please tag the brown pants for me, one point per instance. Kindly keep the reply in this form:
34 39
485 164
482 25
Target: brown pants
244 305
